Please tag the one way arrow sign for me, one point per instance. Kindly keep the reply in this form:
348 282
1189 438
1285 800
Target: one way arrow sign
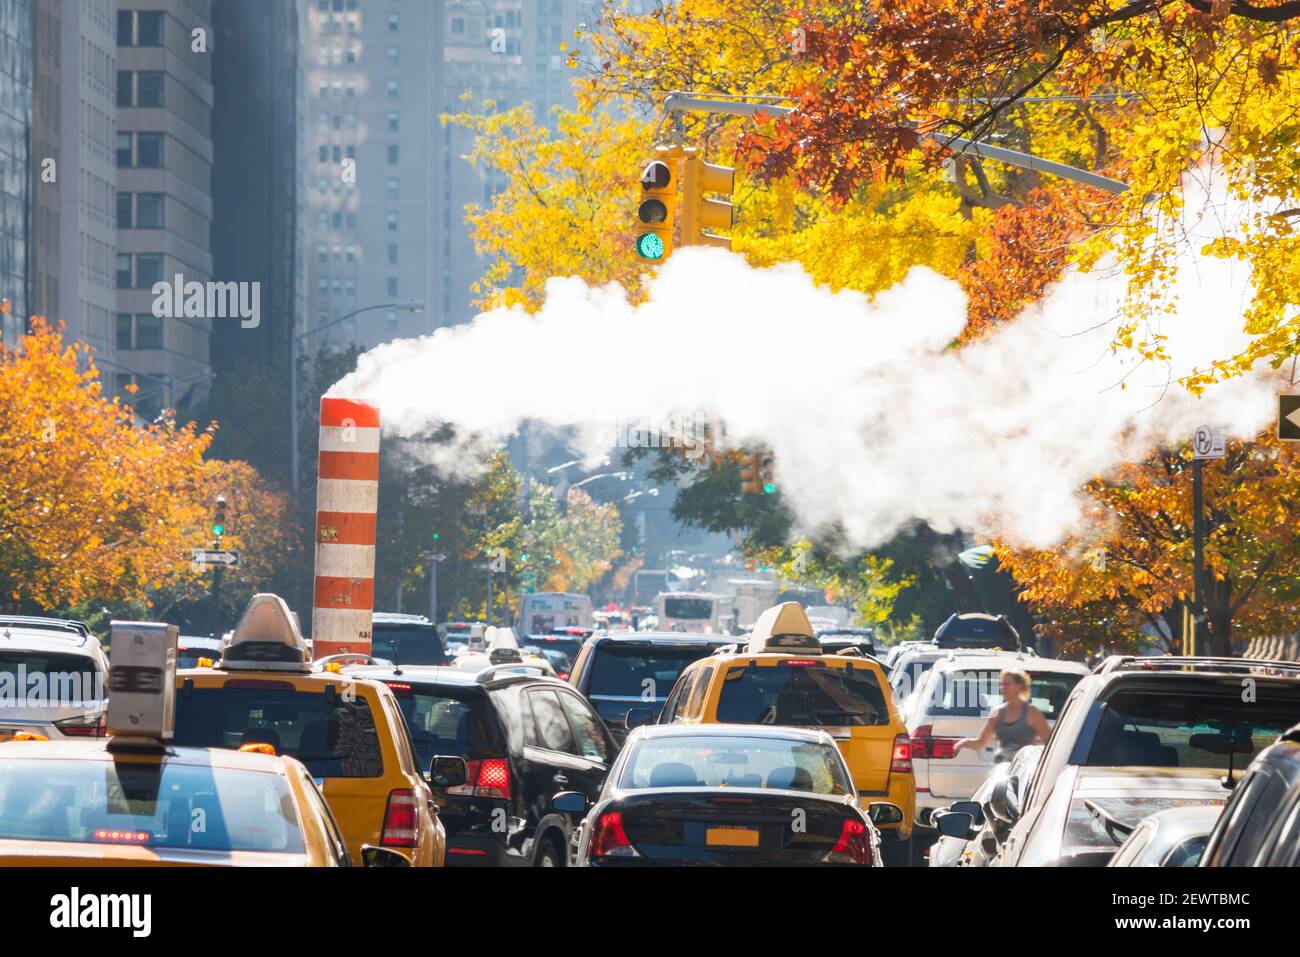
204 557
1288 418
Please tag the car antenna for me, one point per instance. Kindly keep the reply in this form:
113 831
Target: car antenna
1227 780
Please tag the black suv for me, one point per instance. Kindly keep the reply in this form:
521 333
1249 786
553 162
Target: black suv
1260 825
524 738
977 631
634 672
406 639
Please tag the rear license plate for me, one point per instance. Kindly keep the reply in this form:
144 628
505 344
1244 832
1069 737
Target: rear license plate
731 836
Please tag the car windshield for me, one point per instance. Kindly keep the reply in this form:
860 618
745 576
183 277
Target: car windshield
334 738
722 761
560 652
159 806
444 725
40 678
811 695
408 644
1192 730
971 694
688 609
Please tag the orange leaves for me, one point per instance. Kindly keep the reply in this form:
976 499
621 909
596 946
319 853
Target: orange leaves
92 503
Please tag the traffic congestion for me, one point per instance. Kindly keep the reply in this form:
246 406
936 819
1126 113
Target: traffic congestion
612 747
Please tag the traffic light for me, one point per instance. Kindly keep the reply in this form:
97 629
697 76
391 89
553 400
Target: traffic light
654 239
699 212
767 472
749 475
435 536
219 519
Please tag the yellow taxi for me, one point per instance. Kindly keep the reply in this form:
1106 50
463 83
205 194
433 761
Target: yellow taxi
782 677
89 803
348 732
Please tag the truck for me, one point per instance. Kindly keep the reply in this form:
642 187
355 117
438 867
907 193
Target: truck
695 612
540 613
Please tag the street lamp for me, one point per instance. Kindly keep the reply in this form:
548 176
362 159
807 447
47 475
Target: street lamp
412 305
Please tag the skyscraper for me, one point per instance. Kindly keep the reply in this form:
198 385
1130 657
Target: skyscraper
15 180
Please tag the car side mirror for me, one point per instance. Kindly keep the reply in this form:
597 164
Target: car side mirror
570 802
372 856
447 771
969 807
955 824
636 717
999 804
883 813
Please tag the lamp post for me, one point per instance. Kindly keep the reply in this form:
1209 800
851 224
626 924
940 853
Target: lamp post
411 305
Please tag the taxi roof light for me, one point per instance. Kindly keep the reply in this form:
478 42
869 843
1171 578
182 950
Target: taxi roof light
784 627
266 639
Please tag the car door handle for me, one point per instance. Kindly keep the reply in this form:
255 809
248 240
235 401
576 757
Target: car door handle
560 778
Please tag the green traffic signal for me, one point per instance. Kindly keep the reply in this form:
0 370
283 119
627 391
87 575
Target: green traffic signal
435 536
769 488
218 529
650 246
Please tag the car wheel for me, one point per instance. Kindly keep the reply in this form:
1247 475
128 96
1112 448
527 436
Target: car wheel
549 855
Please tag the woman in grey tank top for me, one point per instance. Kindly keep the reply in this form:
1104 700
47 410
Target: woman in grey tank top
1015 724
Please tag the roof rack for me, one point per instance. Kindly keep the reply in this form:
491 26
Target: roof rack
492 672
46 624
1193 663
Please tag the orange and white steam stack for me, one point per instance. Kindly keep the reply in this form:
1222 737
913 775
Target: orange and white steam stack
347 496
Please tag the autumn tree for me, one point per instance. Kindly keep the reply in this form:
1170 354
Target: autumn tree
1129 564
93 502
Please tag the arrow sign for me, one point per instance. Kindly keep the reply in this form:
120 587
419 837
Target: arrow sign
1288 418
204 557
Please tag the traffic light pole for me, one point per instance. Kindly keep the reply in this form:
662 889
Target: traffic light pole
1198 558
679 103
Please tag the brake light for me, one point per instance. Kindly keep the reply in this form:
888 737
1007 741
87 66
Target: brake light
563 676
84 727
258 747
853 844
801 663
608 839
925 745
489 778
122 837
901 760
401 822
401 689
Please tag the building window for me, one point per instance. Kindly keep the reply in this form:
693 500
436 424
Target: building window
324 154
392 154
123 149
148 269
323 253
392 189
392 222
149 27
124 97
125 29
150 89
149 149
457 25
392 54
352 221
393 23
394 122
352 254
124 337
124 214
123 270
392 254
392 89
148 331
392 285
149 210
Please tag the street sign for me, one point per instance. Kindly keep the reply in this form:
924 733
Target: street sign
1207 443
1288 418
203 557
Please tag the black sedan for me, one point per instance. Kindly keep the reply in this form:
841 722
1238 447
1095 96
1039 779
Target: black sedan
720 794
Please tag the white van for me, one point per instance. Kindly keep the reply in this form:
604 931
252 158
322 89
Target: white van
541 613
694 612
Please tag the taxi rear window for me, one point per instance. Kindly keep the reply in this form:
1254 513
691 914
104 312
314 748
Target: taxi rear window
810 695
333 738
149 805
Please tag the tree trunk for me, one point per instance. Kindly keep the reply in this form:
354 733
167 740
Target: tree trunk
1218 619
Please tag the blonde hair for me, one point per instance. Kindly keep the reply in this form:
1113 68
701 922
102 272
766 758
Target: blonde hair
1021 678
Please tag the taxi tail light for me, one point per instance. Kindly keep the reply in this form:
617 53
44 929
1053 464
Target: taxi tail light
82 726
489 777
114 836
401 819
609 839
854 846
902 756
926 745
